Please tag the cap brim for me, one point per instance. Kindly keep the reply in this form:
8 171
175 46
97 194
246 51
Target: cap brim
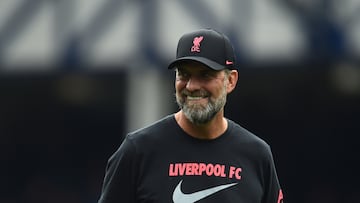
211 64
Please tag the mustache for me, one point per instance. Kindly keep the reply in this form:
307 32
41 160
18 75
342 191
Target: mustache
198 93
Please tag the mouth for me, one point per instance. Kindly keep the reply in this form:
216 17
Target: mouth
194 98
202 100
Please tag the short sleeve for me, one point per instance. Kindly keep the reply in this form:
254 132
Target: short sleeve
119 181
273 192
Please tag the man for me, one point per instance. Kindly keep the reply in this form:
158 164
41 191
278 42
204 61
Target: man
196 154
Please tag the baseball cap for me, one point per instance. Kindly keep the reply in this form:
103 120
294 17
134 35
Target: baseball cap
206 46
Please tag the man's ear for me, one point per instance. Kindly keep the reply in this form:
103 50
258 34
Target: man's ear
232 81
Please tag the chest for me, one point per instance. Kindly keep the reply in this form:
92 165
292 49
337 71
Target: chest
185 175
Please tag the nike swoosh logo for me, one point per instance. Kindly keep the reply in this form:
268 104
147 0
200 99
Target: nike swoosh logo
180 197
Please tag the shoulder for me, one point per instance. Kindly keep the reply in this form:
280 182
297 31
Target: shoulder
146 137
156 130
248 138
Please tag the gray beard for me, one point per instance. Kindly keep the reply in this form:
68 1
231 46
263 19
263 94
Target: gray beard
198 114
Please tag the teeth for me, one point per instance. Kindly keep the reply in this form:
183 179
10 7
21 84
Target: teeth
193 98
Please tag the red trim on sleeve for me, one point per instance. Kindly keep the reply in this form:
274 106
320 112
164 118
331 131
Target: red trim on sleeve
281 197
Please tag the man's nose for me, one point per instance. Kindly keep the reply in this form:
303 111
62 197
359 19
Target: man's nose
193 84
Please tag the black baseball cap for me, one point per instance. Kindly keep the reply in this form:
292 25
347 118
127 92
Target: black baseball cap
206 46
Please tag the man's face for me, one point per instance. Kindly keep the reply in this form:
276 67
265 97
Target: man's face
200 91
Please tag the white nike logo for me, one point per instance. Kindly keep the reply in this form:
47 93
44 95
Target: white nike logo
180 197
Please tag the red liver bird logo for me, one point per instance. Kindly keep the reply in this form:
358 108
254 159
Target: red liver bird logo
196 42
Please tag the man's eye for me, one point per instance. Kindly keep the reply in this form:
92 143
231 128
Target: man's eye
183 75
207 75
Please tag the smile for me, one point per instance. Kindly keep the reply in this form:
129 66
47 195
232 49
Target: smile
194 98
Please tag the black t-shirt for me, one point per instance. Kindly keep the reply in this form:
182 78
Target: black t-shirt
162 164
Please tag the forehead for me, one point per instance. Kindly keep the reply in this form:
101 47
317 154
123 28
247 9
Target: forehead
193 66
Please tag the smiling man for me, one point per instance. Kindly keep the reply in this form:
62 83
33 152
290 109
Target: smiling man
195 154
201 95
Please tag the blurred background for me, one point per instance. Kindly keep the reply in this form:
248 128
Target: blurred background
76 76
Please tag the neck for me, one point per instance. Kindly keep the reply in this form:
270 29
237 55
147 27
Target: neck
211 130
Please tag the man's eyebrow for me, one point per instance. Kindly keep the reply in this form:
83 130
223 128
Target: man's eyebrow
209 71
181 70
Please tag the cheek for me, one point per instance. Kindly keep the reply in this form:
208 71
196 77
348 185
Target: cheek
217 89
179 85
